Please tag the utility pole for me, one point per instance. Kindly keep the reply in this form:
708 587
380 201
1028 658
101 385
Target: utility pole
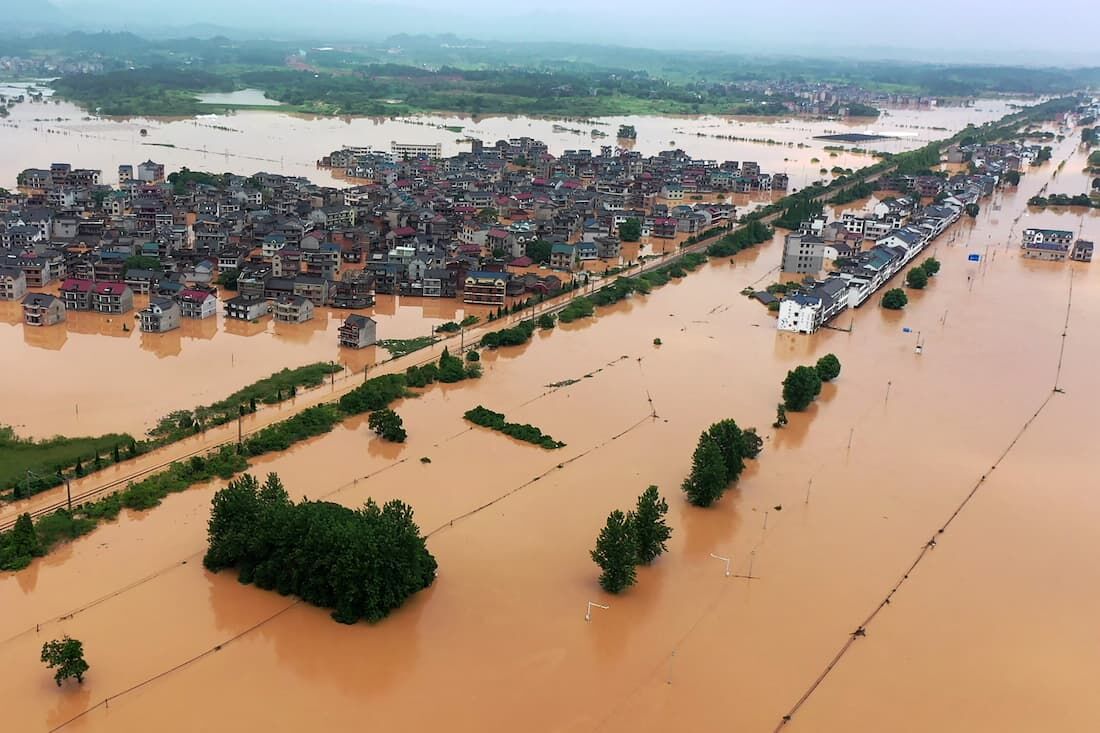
68 490
240 415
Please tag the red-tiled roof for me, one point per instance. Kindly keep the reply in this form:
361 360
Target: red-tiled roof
76 284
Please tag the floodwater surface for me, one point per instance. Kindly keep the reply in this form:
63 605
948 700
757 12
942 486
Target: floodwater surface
994 629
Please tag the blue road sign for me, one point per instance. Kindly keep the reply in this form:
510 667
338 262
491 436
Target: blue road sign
974 257
906 329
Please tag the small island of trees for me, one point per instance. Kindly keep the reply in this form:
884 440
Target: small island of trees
362 563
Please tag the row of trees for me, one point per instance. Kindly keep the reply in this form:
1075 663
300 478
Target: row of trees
630 539
362 563
803 384
486 418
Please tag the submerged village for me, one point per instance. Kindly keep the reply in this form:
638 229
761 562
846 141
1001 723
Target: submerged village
490 227
487 227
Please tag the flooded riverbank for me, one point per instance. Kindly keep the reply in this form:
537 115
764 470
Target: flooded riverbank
827 520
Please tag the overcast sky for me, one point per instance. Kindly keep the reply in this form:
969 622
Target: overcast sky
989 30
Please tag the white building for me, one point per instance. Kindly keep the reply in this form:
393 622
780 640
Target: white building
432 151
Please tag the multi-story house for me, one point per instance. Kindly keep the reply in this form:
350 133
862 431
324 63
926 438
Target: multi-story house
358 331
247 307
162 314
197 304
13 283
485 288
293 309
40 309
112 297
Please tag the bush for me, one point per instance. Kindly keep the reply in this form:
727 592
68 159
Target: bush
828 367
473 355
514 336
800 388
388 425
895 299
576 309
916 278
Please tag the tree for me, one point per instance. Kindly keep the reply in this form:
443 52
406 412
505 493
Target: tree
388 425
539 251
780 416
916 278
630 230
800 388
142 262
650 530
930 266
707 480
828 367
228 279
616 553
1012 178
972 210
546 321
488 215
895 299
727 436
66 657
23 544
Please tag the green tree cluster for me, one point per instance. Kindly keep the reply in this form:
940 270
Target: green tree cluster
20 546
718 461
388 425
753 233
514 336
630 230
362 563
631 539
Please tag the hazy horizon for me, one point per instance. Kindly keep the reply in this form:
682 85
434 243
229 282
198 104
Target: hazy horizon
937 31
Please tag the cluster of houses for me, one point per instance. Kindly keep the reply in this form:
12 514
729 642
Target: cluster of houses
832 99
1055 245
901 229
494 223
995 159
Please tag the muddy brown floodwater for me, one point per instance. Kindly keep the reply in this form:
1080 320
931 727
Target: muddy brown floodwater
993 630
